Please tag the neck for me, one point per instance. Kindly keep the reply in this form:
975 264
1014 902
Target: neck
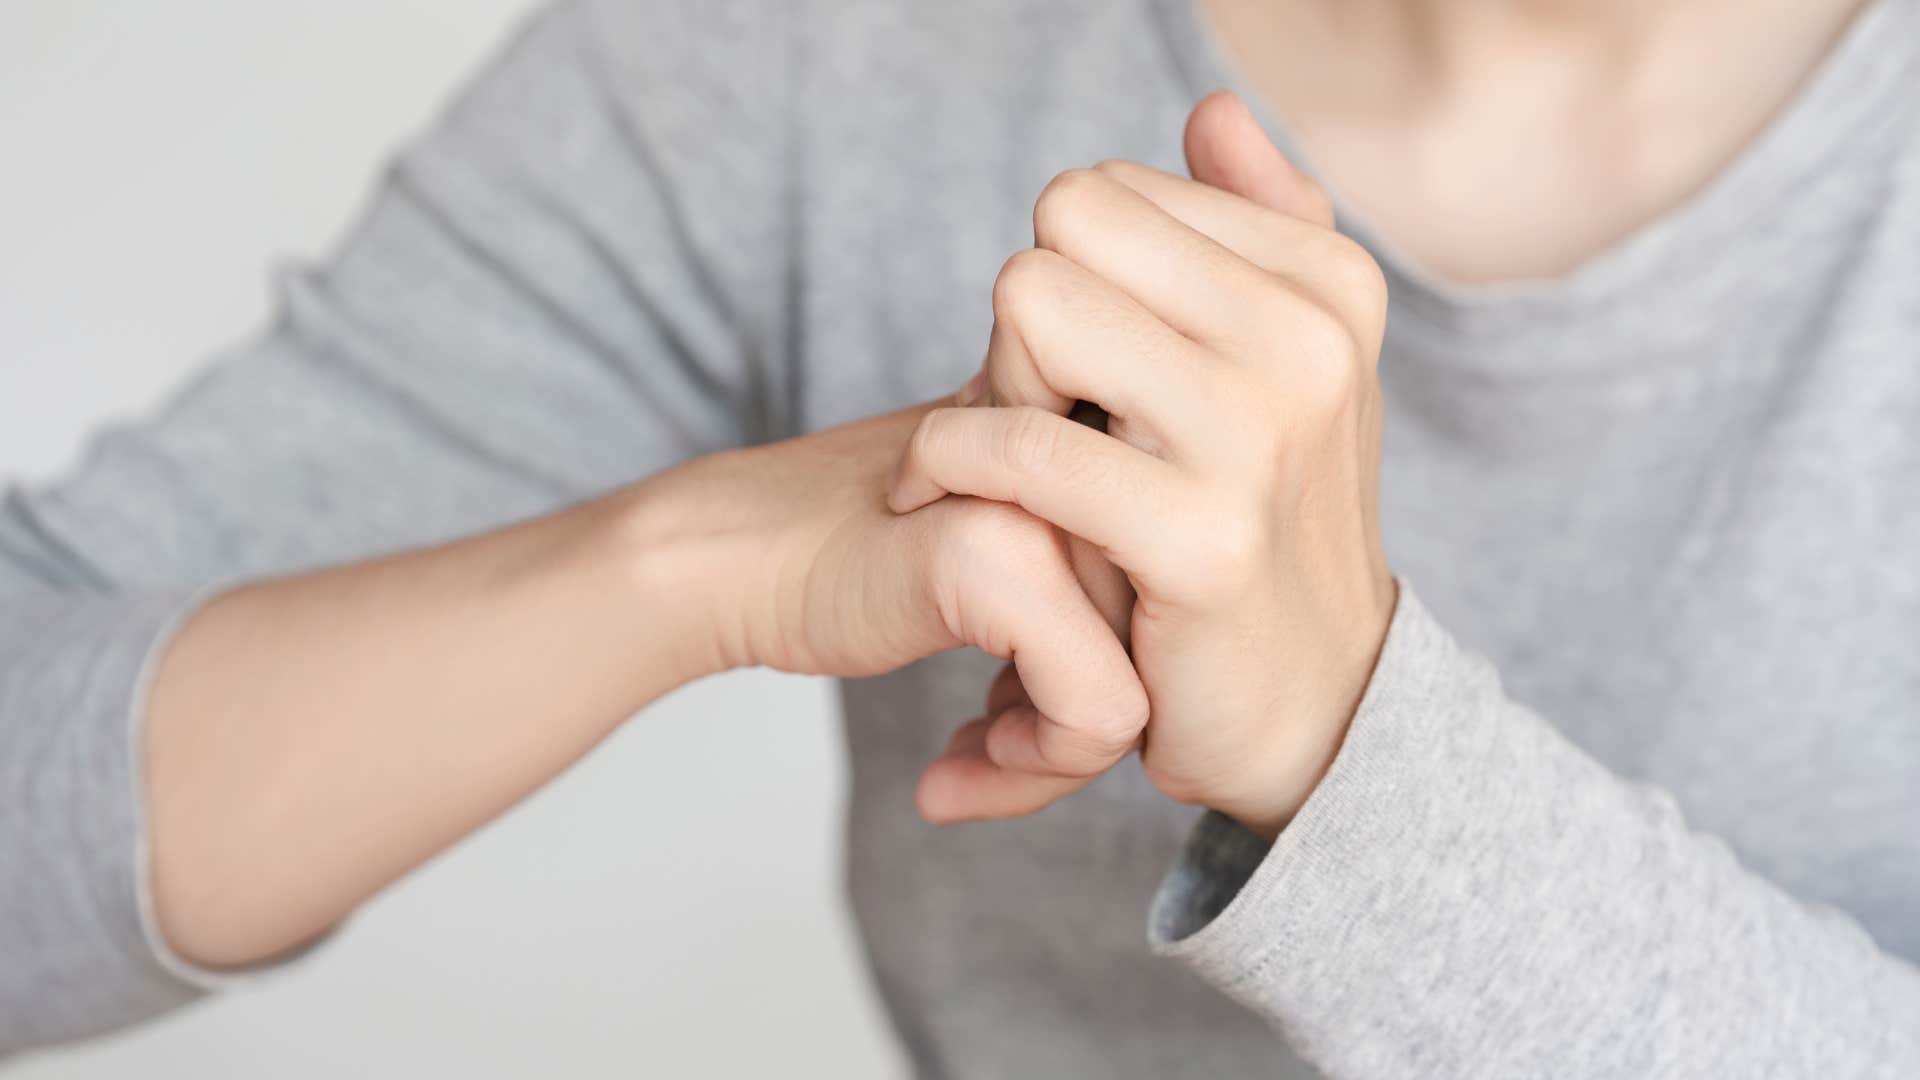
1348 56
1437 37
1500 139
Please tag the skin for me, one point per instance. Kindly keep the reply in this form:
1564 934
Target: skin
310 739
1495 140
1236 486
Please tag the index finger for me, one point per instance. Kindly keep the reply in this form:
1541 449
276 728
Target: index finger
1323 262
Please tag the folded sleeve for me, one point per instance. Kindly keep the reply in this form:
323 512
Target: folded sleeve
572 280
1468 894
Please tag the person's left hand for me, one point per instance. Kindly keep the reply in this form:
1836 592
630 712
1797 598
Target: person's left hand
1233 347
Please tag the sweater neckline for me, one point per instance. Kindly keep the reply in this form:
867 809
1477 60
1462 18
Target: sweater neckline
1675 260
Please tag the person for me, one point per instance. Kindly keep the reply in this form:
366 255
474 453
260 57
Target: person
1510 594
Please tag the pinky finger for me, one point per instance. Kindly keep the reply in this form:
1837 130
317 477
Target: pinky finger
963 784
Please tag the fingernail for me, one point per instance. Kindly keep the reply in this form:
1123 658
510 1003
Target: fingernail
972 392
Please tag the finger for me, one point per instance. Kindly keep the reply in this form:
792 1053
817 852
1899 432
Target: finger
1081 480
1062 334
968 739
1325 264
1005 587
1105 584
1011 375
966 785
1227 149
1006 691
1012 740
1190 281
1021 739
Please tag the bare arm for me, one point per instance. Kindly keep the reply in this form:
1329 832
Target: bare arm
310 739
517 324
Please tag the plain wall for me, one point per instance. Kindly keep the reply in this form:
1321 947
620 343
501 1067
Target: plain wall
672 906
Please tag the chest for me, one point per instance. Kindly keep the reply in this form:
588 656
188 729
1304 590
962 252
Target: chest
1707 574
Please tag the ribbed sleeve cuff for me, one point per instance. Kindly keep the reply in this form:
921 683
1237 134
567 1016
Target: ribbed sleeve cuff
1325 929
1233 906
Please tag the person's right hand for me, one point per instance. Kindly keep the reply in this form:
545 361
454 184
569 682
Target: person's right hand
787 555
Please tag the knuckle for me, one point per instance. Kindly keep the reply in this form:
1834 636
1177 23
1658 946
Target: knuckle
1121 169
1020 281
1315 201
1063 203
923 444
1355 274
1029 440
1328 358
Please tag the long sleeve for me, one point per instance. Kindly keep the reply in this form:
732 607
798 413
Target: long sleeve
1468 894
572 281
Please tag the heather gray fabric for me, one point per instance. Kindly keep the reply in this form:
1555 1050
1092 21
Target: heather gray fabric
1670 500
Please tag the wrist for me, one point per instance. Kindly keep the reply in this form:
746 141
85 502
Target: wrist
1273 791
665 572
1278 781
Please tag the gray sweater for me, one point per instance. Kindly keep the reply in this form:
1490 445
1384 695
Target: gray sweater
1634 792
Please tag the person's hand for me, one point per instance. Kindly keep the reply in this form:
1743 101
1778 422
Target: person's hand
793 560
1233 347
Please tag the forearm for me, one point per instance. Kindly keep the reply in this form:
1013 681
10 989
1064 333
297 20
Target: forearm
310 739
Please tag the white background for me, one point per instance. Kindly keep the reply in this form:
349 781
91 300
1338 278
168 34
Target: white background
672 907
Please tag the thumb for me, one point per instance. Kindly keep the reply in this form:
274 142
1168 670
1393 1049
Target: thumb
1227 149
